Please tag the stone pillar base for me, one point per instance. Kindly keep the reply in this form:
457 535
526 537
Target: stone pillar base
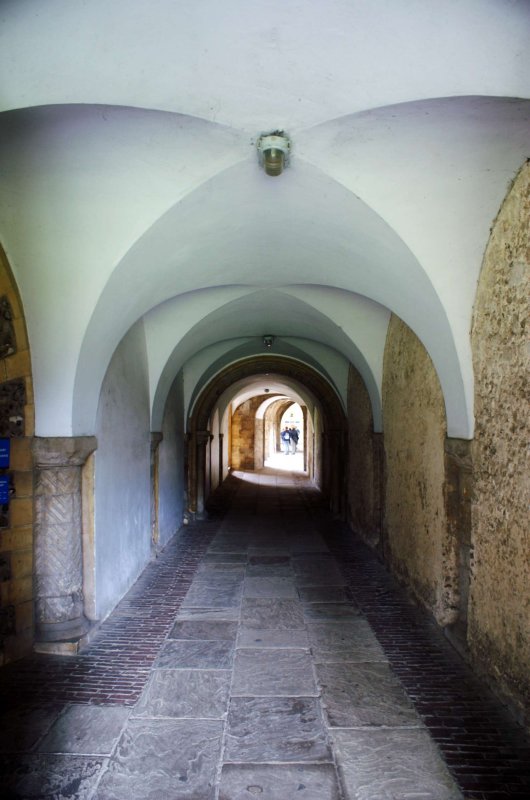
62 638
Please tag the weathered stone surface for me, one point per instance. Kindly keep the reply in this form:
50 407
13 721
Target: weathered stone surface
331 612
275 729
85 730
344 641
498 633
257 612
164 758
399 764
195 655
316 570
269 566
356 695
273 672
204 630
192 613
270 638
214 594
49 777
224 558
322 594
269 587
417 539
364 511
185 693
278 782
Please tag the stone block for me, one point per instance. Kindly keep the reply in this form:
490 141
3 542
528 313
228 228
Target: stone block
85 730
21 455
18 365
22 563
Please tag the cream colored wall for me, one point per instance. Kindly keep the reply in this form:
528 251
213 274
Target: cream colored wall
16 540
415 518
499 612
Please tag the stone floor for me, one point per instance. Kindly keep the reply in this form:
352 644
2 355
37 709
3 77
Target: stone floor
264 654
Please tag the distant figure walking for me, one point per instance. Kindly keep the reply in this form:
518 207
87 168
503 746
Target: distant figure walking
286 440
294 435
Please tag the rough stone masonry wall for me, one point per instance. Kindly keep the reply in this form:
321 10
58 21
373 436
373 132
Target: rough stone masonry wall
499 612
243 433
363 491
16 531
418 544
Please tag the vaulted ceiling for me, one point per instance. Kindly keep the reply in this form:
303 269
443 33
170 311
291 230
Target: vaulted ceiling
131 190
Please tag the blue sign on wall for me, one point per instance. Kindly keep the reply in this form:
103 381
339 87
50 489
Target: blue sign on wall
5 446
4 489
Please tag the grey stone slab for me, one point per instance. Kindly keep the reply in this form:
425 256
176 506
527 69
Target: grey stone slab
281 729
224 558
178 654
232 544
86 730
262 612
189 629
208 614
273 672
164 759
218 594
278 782
266 638
355 695
21 728
269 566
271 549
319 569
269 587
211 571
401 764
49 777
198 694
353 640
323 594
332 612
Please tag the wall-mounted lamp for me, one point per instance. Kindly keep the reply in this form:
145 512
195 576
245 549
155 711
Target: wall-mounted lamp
267 341
273 152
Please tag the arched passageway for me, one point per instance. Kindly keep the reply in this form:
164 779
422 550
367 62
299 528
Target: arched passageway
239 396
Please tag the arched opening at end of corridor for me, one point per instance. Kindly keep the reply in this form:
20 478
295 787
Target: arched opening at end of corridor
237 421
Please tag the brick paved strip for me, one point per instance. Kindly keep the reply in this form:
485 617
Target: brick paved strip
114 667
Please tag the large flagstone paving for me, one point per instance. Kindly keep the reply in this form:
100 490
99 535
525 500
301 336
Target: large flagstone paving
275 684
271 684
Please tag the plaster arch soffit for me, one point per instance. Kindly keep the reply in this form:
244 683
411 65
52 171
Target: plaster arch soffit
312 380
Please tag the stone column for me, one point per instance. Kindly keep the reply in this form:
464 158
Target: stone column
156 438
457 550
59 608
201 440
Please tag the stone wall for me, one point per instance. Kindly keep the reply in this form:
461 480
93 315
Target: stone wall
418 542
499 613
243 433
363 474
16 525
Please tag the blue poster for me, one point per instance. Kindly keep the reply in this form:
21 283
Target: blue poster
5 445
4 489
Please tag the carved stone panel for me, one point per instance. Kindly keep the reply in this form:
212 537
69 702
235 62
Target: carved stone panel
8 344
12 402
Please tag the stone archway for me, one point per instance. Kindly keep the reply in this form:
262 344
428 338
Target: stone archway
333 446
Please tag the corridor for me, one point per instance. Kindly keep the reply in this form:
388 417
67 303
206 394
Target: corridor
263 654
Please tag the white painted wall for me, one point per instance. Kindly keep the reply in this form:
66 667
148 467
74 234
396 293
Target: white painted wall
122 513
171 464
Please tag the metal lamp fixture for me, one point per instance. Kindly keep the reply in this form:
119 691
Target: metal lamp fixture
273 152
267 341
